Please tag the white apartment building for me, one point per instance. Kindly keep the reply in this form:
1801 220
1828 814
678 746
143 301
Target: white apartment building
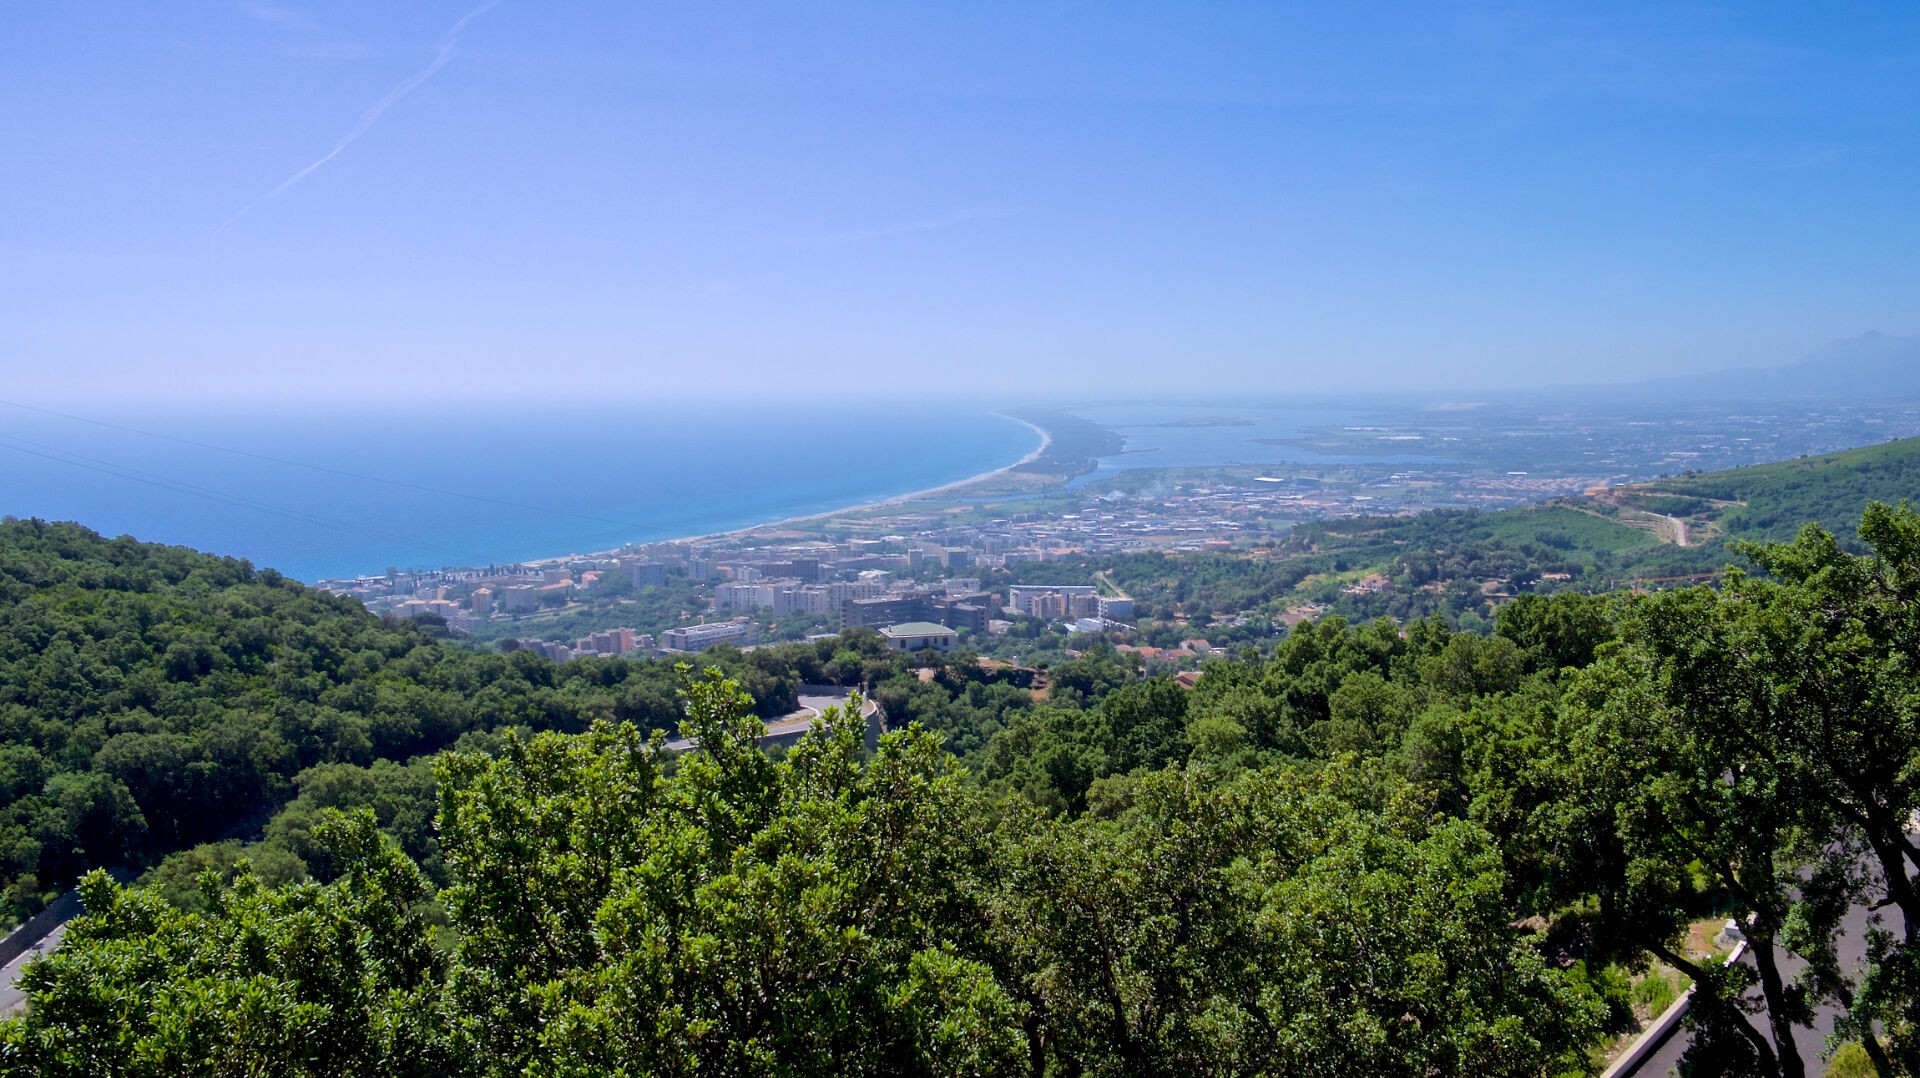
739 595
739 632
1020 597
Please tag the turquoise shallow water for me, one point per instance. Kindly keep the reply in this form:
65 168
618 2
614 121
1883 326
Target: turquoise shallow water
320 494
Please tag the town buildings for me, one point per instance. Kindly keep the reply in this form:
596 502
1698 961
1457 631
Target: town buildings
740 632
1041 600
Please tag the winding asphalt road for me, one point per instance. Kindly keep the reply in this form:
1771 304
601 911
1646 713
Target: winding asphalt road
794 722
11 998
1851 947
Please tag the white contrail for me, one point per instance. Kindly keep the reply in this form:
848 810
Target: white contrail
446 51
467 18
367 120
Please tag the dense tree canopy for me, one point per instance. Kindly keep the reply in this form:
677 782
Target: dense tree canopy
1380 848
829 913
153 698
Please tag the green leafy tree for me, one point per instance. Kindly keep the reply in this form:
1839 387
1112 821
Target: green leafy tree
1798 690
1280 924
807 916
301 980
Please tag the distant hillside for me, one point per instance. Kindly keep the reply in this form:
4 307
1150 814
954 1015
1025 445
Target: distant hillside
1659 532
1771 501
1870 365
153 698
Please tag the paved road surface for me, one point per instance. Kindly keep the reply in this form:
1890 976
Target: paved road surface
794 722
1679 531
11 998
1852 947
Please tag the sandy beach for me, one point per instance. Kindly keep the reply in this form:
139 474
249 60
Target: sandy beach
1046 441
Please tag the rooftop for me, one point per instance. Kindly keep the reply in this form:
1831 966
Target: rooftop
917 628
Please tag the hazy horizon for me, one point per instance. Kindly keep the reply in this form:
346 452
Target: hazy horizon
244 202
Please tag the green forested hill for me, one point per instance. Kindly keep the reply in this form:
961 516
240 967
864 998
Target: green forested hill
1376 850
153 697
583 902
1772 501
1454 561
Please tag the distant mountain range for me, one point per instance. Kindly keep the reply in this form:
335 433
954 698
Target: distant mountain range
1873 364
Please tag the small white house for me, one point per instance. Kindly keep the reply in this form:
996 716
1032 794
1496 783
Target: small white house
919 635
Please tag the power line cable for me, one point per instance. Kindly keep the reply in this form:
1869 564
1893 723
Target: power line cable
402 483
121 471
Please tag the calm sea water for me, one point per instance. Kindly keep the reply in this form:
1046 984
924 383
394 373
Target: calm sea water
324 494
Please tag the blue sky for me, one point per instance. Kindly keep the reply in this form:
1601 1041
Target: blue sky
202 201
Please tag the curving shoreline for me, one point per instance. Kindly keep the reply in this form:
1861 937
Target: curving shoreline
1046 442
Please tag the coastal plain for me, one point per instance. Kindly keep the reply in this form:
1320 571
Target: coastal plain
1530 494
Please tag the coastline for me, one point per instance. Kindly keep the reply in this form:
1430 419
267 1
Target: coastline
1046 442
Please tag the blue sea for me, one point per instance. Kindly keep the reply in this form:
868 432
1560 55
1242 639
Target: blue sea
330 493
